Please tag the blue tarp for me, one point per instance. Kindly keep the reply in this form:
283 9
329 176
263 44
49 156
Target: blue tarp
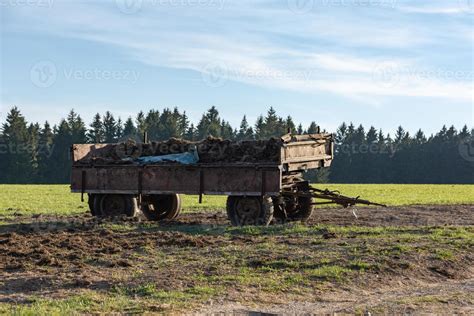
188 158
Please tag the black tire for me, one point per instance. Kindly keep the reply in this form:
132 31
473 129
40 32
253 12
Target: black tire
243 211
161 207
90 202
111 205
296 209
304 210
94 204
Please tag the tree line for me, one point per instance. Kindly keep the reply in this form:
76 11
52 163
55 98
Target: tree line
34 153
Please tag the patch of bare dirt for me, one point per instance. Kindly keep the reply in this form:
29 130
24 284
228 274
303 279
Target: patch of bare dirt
419 215
57 256
453 297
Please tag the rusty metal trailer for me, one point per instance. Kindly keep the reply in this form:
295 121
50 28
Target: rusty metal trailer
257 192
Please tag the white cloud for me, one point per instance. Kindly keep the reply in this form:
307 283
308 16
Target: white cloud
458 9
272 48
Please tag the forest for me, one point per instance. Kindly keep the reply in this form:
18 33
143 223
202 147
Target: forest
31 152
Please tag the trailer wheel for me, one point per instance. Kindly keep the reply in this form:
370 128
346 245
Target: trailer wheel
90 202
295 209
161 207
303 211
243 211
110 205
94 204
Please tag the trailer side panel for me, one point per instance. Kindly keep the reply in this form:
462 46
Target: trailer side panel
213 179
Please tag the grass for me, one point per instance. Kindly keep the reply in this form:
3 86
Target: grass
287 262
57 199
266 269
89 302
409 194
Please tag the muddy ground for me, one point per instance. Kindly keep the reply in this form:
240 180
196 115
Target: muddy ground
411 260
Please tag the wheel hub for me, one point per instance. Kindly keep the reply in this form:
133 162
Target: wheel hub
247 208
113 205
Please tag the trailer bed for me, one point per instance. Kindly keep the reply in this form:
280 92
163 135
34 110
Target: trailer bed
296 154
210 179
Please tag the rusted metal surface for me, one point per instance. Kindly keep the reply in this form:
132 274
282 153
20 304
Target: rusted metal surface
332 197
298 153
308 152
80 151
211 180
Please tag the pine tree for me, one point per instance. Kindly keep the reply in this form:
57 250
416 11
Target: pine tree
245 131
33 148
29 153
183 125
371 135
210 124
77 127
313 128
300 129
259 128
442 135
60 157
400 135
129 130
420 137
96 133
227 131
451 133
464 133
273 125
290 125
119 131
168 125
45 150
110 128
152 125
16 154
341 134
190 133
141 123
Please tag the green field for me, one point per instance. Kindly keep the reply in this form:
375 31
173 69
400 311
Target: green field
77 265
42 199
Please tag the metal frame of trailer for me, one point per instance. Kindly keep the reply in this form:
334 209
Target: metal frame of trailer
257 192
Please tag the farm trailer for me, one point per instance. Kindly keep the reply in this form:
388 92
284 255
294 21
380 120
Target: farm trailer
257 192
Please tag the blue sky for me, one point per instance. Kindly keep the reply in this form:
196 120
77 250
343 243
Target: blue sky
376 62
